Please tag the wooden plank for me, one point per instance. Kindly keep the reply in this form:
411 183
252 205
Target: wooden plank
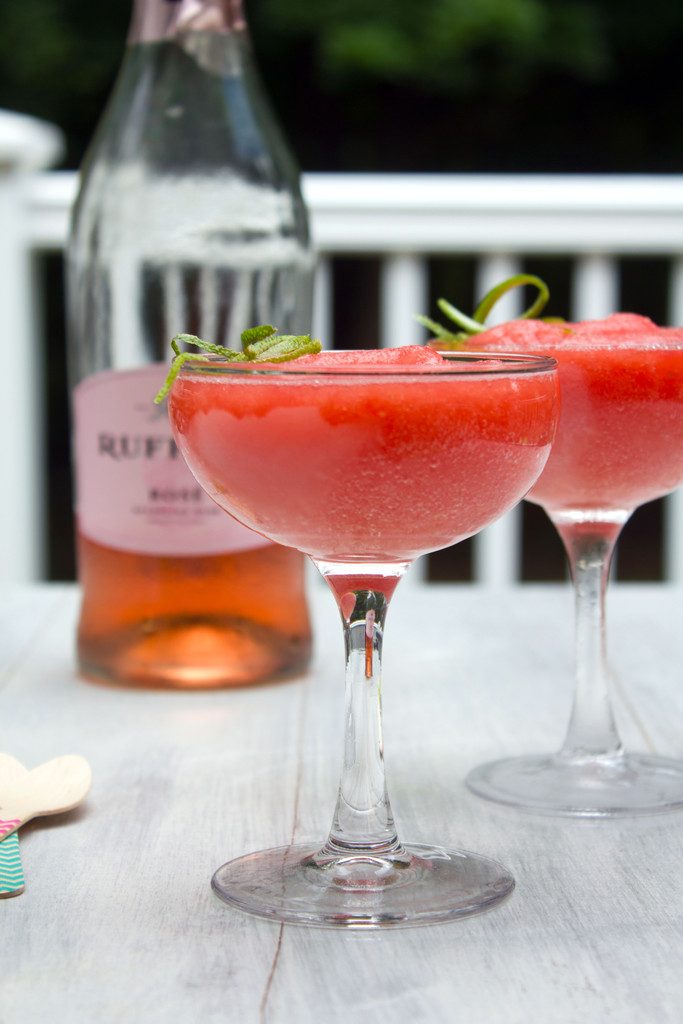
118 923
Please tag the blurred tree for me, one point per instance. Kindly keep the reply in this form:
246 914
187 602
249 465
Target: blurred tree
488 85
440 85
59 59
451 47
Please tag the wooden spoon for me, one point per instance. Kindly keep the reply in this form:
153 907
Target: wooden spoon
55 786
51 788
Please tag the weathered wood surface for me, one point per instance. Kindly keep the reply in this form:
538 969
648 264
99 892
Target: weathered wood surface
118 923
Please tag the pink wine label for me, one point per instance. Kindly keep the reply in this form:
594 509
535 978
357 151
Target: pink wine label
133 489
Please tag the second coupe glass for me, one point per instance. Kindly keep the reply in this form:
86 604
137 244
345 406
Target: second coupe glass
619 443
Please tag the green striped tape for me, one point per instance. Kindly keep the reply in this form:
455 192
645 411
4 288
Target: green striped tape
11 871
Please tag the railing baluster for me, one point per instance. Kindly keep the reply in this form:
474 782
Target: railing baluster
323 302
22 509
676 292
26 145
497 551
209 303
595 294
403 293
491 270
595 287
673 537
672 559
125 297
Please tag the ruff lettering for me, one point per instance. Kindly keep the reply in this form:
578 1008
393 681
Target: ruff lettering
123 446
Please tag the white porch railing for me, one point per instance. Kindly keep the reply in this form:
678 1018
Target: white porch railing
402 219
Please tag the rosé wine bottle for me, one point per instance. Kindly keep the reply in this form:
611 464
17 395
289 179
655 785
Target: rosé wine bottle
189 219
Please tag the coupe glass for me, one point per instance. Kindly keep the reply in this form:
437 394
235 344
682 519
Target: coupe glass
365 467
619 443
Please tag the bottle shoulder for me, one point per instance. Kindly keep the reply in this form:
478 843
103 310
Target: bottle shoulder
193 111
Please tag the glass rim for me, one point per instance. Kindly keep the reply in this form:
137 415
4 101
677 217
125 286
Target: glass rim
472 363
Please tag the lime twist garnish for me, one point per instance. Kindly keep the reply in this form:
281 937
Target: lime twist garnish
260 344
476 324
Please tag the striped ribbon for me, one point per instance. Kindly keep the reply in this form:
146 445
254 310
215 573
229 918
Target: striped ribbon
11 871
8 825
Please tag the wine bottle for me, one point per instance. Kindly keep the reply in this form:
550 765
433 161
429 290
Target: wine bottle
189 218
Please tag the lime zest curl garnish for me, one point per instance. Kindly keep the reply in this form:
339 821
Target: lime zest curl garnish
176 366
285 348
260 344
496 293
256 334
205 346
476 324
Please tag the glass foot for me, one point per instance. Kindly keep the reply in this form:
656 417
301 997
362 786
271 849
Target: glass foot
597 787
425 885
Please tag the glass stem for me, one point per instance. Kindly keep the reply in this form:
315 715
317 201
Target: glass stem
590 545
363 823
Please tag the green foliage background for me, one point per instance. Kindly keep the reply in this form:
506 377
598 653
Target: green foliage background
435 85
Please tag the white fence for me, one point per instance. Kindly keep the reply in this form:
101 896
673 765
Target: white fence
404 220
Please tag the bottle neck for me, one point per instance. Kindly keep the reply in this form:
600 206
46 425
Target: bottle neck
156 20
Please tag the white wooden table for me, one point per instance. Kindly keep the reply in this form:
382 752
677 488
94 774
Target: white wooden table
118 922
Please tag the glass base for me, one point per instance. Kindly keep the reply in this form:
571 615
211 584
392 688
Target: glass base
597 787
426 884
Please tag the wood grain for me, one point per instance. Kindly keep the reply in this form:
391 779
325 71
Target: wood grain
119 924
